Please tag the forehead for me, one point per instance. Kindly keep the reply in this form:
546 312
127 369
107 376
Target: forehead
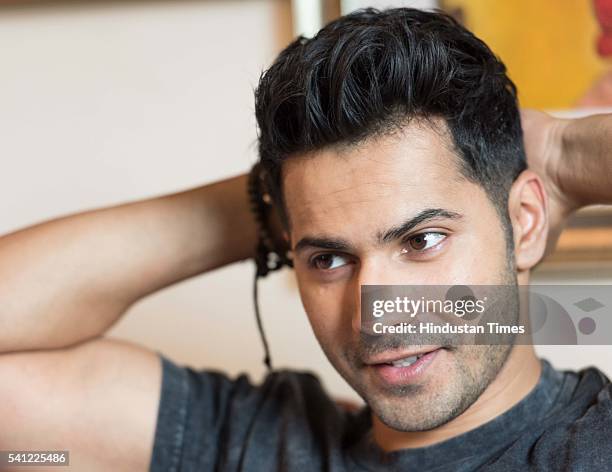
380 180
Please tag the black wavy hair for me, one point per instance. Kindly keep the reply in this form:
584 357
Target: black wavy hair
370 72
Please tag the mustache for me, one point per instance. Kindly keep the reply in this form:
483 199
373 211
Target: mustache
370 345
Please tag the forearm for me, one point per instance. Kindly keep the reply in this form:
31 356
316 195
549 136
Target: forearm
70 279
585 166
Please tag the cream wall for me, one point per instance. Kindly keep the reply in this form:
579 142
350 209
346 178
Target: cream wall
105 102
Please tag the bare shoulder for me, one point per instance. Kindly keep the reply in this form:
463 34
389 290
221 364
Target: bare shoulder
98 400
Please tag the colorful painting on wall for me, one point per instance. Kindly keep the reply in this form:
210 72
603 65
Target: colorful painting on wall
558 52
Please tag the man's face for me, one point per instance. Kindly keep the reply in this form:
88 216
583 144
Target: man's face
394 211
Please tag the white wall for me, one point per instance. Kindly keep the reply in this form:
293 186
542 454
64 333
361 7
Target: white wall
350 5
106 102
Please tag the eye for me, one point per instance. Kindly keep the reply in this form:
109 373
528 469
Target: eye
424 241
328 261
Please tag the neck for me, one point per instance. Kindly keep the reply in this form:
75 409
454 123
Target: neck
515 380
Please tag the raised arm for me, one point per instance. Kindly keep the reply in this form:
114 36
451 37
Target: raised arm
574 156
585 159
69 279
65 282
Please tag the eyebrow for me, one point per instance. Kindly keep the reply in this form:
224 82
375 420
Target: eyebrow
423 216
383 238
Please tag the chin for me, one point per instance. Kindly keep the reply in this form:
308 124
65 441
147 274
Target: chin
422 409
402 415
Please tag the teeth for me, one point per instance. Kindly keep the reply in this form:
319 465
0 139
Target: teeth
405 362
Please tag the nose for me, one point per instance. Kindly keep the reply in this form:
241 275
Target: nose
370 273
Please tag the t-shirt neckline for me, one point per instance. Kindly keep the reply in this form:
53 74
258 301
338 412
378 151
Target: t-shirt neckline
491 436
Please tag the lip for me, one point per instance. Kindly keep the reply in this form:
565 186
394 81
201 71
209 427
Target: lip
392 376
389 357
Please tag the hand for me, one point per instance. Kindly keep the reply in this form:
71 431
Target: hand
543 146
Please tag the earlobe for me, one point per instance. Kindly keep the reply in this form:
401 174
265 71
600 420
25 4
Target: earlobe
528 210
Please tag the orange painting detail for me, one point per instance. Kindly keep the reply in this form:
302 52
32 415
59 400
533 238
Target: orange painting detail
558 52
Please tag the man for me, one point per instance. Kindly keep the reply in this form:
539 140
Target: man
395 143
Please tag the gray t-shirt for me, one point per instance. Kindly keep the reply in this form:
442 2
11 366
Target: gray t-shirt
208 422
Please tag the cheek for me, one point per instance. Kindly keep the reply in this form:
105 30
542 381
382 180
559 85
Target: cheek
488 257
324 306
479 257
475 265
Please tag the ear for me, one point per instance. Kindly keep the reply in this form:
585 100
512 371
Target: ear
528 211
